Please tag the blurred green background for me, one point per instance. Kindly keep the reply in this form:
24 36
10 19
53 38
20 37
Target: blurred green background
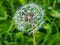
49 34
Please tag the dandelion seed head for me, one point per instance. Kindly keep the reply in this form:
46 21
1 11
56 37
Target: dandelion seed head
28 16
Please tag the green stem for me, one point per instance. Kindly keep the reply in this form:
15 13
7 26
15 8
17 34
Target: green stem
54 3
34 40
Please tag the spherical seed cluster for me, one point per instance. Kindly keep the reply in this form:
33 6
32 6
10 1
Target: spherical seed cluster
29 18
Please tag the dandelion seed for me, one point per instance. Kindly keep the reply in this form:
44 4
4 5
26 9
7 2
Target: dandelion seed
49 7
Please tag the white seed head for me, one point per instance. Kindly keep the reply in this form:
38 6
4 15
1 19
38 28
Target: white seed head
28 16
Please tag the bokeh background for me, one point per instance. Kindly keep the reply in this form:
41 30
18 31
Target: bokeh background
49 34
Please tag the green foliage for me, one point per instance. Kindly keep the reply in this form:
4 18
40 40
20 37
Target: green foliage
49 34
3 12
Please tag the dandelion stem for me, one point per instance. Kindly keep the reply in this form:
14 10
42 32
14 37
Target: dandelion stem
34 40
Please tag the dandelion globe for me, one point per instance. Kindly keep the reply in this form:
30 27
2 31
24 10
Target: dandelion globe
28 17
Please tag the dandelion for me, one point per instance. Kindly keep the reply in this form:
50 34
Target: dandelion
29 18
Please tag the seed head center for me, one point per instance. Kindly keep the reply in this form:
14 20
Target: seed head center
29 17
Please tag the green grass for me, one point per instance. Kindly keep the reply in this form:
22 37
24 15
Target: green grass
49 34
